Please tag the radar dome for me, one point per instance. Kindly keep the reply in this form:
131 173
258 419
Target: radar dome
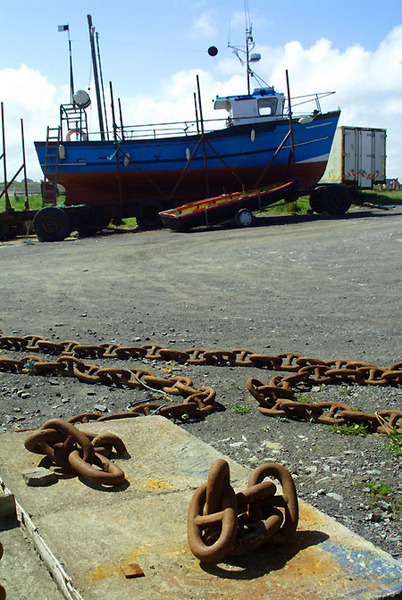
82 99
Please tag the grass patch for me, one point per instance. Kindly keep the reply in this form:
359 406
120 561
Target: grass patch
302 205
235 386
126 223
379 489
299 207
380 197
304 398
242 409
356 429
395 443
17 202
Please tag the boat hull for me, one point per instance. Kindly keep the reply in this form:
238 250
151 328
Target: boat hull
117 177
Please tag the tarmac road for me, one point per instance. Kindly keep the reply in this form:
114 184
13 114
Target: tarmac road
316 285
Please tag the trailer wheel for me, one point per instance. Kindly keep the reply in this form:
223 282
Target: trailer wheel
335 200
91 222
244 217
147 213
315 200
51 224
4 231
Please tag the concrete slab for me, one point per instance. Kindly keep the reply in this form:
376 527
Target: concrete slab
93 532
22 573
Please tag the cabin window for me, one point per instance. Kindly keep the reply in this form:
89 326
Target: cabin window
267 106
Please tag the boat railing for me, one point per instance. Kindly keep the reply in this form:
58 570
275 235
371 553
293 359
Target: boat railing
307 99
190 128
166 130
157 130
74 122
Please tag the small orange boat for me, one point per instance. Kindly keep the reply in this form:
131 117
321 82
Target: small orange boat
238 206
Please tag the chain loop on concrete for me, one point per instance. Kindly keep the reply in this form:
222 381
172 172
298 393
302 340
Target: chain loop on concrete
221 523
72 449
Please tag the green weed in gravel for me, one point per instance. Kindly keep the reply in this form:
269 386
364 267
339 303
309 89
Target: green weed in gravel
380 488
242 409
395 443
356 429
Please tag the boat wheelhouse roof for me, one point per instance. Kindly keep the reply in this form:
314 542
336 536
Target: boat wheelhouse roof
221 101
263 104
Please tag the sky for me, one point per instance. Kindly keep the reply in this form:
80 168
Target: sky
153 51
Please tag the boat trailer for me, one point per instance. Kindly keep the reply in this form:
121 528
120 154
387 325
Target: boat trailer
13 222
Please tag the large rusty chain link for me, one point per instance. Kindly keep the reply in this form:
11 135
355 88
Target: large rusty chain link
275 399
2 590
73 450
221 522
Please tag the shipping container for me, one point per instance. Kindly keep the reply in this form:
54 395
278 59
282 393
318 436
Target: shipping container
357 158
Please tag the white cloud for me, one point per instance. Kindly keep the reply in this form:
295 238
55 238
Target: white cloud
368 85
26 95
203 26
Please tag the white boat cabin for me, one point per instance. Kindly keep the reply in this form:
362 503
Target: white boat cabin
263 105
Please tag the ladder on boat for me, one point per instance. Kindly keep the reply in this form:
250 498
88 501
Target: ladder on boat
51 166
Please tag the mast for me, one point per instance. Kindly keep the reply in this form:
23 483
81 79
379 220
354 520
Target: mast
71 68
249 41
101 81
96 77
246 51
249 38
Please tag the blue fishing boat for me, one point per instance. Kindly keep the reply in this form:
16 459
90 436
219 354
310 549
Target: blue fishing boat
140 171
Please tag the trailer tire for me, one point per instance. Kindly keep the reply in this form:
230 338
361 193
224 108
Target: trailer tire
315 200
147 213
51 224
92 222
4 231
244 217
335 200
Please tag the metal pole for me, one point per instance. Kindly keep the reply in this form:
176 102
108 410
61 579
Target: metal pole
290 120
26 204
95 67
114 125
121 120
101 78
203 138
196 113
279 148
248 36
71 67
116 145
8 203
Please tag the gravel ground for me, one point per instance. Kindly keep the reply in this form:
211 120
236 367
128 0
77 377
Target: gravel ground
322 287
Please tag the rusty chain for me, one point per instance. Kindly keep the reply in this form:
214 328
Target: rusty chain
197 401
221 522
275 399
86 454
2 590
